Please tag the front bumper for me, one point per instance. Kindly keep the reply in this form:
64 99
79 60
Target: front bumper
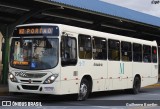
35 88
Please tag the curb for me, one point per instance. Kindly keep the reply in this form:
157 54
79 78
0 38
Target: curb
153 86
4 93
3 90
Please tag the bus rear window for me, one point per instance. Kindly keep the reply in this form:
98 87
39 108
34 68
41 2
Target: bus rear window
154 54
146 53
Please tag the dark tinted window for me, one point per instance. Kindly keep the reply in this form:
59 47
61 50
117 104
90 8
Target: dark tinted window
137 52
154 54
113 50
99 48
85 46
146 53
68 51
126 51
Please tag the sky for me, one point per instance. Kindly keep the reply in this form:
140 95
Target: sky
145 6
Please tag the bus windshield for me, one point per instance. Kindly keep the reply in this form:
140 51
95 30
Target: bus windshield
34 53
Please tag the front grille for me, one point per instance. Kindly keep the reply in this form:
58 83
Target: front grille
27 87
33 81
32 75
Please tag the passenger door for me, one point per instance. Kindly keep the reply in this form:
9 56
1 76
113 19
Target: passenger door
69 73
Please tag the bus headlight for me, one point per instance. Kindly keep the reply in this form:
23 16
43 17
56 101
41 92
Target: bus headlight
51 79
12 77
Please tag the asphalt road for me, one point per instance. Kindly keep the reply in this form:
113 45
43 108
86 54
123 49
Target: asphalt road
148 98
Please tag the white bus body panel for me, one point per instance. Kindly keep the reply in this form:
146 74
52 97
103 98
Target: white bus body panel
112 75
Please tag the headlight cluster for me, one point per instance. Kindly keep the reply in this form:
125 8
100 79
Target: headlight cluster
12 77
51 79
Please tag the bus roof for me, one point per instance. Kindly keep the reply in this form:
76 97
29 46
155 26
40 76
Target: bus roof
79 30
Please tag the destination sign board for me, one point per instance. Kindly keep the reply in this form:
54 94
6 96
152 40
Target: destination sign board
36 31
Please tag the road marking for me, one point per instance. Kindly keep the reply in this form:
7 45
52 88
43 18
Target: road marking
153 94
41 108
107 107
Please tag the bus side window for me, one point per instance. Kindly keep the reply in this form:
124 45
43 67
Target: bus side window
113 49
85 46
137 52
154 54
146 53
68 51
126 51
99 48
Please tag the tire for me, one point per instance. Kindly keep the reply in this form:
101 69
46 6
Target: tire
136 85
83 90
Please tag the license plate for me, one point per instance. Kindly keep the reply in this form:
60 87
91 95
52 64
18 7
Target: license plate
48 88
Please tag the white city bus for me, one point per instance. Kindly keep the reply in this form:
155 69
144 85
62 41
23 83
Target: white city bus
59 59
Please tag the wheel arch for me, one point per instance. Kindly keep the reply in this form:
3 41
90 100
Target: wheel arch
138 75
89 79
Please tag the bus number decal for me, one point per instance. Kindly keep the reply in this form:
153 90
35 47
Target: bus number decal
81 63
121 68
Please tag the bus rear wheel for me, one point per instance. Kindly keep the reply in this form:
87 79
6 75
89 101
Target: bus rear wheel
83 90
136 85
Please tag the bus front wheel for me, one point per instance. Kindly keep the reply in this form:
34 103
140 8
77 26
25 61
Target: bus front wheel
83 90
